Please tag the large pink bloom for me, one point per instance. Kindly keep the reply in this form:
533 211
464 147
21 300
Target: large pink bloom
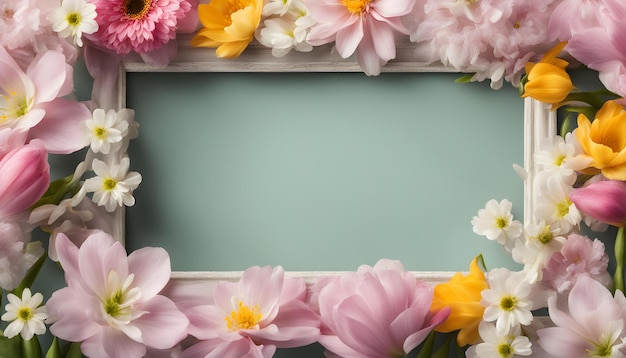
24 178
31 101
146 27
592 326
251 318
362 27
112 302
376 312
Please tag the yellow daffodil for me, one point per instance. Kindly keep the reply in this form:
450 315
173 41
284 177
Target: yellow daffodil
548 81
229 25
462 294
604 140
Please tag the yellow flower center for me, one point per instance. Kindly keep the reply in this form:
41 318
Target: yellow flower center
356 7
25 313
505 350
545 236
245 317
12 107
517 24
136 9
501 223
562 208
109 184
100 133
559 160
508 303
73 18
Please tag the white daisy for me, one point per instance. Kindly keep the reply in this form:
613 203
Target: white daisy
563 155
106 129
500 344
26 315
553 204
496 222
113 185
508 300
536 247
74 18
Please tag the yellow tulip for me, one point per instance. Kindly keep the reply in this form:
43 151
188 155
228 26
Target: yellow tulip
229 25
604 140
462 294
548 81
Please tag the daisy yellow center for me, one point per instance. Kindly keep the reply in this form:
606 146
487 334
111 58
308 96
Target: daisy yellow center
25 313
505 350
109 184
136 9
559 160
508 303
562 208
501 223
356 7
244 317
73 18
545 236
100 132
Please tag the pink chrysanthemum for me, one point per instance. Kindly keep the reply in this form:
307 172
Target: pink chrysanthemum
139 25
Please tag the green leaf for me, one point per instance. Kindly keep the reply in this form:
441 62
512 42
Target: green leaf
55 349
465 79
30 277
73 351
31 348
10 347
565 126
444 350
427 346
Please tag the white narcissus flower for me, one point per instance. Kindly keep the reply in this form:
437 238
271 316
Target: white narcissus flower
553 203
496 222
106 129
113 185
26 315
496 344
562 154
536 247
74 18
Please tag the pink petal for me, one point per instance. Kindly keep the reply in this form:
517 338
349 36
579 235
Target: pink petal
164 325
103 66
152 269
349 38
393 8
69 313
50 73
68 255
97 258
560 342
204 321
60 128
110 342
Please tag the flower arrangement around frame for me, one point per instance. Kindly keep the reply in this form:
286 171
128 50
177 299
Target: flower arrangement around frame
125 305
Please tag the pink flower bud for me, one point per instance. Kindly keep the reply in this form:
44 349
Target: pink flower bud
24 177
603 200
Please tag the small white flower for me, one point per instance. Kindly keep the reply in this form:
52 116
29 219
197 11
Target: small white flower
282 7
106 129
563 155
26 315
74 18
553 204
113 185
496 222
536 247
500 344
508 300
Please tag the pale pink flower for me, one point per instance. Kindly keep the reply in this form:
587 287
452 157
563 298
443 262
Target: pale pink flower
572 16
22 21
592 325
32 101
251 318
579 256
380 311
17 254
603 48
362 27
145 27
24 178
112 303
11 139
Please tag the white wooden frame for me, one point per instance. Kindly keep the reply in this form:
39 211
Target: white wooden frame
539 121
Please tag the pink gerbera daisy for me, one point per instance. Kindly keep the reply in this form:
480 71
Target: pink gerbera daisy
142 26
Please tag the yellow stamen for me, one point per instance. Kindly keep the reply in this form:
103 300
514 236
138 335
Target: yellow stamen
356 7
244 317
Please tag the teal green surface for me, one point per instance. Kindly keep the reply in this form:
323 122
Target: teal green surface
320 171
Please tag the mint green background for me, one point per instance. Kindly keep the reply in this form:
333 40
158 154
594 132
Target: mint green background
320 171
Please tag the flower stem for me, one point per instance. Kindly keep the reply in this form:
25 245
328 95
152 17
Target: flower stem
620 257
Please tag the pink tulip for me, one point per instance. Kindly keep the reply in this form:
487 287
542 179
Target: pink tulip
603 200
24 177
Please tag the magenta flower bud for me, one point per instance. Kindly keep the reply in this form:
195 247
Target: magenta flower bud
603 200
24 177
